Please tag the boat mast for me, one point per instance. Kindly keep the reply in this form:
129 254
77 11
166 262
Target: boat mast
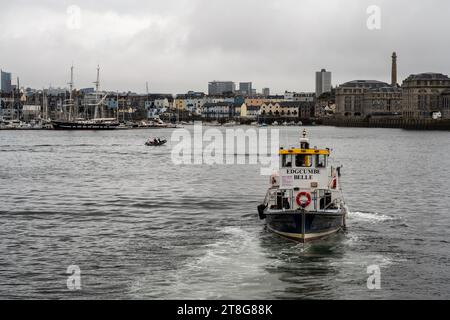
18 95
97 86
117 113
70 94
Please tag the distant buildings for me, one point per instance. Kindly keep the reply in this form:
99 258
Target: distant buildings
221 110
352 97
250 112
245 88
424 94
420 96
195 102
288 109
5 82
221 87
323 82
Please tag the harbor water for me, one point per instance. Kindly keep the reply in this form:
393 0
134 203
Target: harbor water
140 227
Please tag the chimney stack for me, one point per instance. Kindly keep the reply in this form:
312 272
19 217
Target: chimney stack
394 70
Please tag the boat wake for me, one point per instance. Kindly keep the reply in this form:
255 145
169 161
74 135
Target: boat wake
231 265
371 216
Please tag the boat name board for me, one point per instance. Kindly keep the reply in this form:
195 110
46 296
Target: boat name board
292 177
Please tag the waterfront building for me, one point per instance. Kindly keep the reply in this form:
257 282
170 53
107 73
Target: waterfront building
350 96
424 94
384 101
221 87
5 82
323 82
156 104
445 104
195 102
180 102
250 112
31 112
289 109
266 92
221 110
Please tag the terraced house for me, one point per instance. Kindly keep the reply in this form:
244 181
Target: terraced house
221 110
288 109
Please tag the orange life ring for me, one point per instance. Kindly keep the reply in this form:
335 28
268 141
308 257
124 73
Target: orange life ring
301 203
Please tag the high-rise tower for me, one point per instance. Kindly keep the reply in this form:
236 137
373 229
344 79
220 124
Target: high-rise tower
323 82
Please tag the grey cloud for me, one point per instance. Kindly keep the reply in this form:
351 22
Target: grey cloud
181 45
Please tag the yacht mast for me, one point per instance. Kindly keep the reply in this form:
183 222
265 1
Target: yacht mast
97 86
70 94
117 110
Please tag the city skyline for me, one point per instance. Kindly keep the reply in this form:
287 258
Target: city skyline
175 47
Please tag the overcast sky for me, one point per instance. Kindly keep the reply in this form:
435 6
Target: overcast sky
180 45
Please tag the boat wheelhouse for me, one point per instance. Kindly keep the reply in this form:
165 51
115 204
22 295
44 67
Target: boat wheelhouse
304 201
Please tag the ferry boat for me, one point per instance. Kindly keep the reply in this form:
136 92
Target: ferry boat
304 201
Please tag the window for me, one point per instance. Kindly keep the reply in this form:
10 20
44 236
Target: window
321 161
303 160
287 161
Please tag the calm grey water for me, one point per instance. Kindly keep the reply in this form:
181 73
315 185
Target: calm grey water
140 227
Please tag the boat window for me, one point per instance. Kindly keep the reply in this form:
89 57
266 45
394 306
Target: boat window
303 160
321 161
287 161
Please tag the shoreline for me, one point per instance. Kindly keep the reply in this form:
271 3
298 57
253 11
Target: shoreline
405 124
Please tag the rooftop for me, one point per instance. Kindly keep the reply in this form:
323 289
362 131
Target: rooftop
427 76
365 84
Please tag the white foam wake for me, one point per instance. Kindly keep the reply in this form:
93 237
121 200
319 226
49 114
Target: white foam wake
371 216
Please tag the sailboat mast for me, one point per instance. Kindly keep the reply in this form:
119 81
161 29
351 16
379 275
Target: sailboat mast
97 86
117 113
70 94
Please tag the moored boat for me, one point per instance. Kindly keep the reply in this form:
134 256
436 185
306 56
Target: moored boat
305 200
94 124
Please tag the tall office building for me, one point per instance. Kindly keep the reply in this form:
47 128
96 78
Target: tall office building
220 87
245 88
323 82
5 82
266 92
